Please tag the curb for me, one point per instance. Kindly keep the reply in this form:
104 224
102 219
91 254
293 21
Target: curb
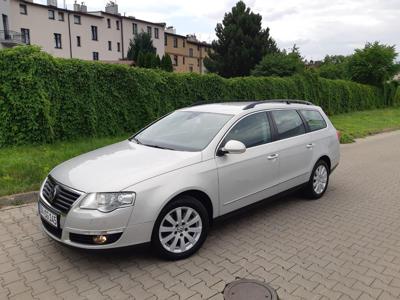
19 199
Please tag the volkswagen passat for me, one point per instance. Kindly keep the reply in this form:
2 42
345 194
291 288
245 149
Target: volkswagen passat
168 182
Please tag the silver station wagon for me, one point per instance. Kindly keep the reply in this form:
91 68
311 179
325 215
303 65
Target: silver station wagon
167 183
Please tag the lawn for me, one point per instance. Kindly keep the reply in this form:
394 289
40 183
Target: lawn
364 123
23 168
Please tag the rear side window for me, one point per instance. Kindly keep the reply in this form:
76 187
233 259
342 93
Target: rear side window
252 131
314 119
288 123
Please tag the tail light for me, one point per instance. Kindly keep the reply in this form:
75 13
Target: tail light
338 134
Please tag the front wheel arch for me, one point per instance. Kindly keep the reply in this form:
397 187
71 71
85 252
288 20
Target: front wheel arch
201 196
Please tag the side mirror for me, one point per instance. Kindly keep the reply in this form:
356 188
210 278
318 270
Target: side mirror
232 147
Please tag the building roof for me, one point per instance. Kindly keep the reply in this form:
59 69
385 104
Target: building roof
129 17
95 14
187 40
61 9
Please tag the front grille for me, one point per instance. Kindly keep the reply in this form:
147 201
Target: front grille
54 231
59 196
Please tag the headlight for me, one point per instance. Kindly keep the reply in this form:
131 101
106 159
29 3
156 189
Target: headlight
107 202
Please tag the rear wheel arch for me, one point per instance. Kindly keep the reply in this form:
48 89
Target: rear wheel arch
327 160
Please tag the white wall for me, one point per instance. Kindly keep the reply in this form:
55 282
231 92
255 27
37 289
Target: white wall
5 9
41 28
88 46
42 31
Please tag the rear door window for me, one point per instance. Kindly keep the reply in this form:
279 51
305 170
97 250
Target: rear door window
288 123
314 119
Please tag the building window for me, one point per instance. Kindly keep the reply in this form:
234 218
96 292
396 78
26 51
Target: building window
175 60
165 39
191 68
57 40
95 55
94 33
134 28
119 47
109 46
51 14
78 41
149 30
23 10
198 62
77 19
184 59
117 24
198 47
190 52
156 33
108 23
26 37
60 16
175 42
184 43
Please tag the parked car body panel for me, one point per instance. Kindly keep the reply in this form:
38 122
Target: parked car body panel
157 176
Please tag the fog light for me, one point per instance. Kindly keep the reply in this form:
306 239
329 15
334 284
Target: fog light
100 239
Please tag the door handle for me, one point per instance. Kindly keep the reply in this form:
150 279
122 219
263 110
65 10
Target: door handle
273 156
310 146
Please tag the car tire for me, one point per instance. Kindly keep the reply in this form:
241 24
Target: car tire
177 235
319 180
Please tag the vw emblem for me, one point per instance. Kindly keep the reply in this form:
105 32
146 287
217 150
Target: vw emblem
55 191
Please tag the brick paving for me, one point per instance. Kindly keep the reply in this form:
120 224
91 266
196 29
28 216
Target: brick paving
343 246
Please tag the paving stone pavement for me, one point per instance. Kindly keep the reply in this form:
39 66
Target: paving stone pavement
343 246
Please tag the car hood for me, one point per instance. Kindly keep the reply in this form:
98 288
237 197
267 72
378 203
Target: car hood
118 166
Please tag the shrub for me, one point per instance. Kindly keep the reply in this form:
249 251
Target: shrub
43 99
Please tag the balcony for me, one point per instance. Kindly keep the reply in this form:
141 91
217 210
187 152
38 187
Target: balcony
11 38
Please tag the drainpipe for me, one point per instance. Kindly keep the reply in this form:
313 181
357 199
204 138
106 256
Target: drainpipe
122 38
70 39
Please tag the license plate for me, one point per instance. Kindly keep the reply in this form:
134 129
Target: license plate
48 216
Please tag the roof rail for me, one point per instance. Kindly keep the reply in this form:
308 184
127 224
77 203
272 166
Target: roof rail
287 101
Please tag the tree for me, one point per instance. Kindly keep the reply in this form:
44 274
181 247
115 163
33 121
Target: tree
334 67
166 63
140 62
157 61
140 43
375 64
241 43
280 64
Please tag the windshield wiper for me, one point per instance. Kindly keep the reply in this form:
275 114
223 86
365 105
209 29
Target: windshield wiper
158 147
136 140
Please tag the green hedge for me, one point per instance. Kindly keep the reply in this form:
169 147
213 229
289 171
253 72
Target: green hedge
43 99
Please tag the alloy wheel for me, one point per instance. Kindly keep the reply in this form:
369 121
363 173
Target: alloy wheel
320 179
180 229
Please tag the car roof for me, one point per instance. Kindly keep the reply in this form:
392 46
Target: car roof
235 108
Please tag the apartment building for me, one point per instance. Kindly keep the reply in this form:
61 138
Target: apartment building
77 33
187 53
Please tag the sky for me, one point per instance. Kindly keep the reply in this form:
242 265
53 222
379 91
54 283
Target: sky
317 27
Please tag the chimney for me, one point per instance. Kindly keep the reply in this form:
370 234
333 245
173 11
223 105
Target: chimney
83 7
112 8
170 29
192 38
52 3
77 6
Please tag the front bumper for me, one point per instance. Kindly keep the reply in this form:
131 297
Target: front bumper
87 223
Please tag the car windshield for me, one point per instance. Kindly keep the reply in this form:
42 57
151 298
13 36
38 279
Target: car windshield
183 130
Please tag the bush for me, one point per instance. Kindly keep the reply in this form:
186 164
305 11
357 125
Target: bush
44 99
279 64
